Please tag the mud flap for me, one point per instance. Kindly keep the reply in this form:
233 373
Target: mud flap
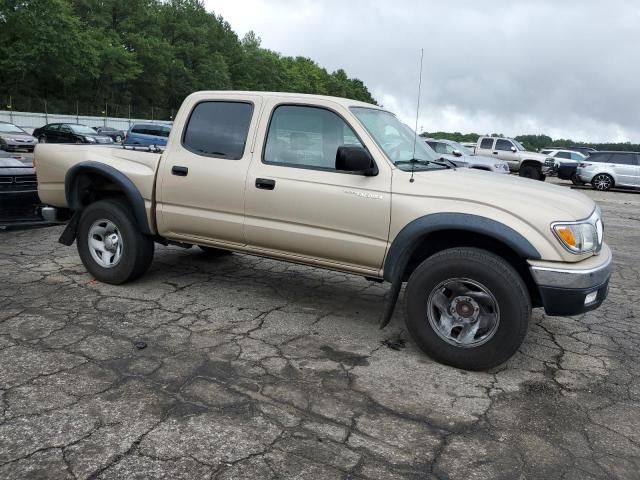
392 299
69 233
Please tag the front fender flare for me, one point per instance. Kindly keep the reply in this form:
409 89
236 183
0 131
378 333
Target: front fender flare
410 237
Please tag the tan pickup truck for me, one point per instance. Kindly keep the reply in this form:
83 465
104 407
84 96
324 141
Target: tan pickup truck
343 185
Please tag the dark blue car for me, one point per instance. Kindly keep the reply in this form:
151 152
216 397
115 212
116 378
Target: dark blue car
147 134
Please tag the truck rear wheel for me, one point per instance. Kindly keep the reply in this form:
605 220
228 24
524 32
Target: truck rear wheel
110 244
467 308
534 173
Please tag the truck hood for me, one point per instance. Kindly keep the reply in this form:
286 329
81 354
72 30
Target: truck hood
532 201
533 155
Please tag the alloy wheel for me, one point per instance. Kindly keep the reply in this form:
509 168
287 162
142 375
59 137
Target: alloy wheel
463 312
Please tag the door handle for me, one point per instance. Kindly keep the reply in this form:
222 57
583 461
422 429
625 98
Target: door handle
265 184
179 171
495 153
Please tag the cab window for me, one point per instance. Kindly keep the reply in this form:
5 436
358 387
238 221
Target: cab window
306 137
503 145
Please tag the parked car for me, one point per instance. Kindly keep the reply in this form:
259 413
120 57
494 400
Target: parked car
565 164
69 133
605 170
339 184
115 134
527 164
470 145
147 134
15 138
586 151
19 201
455 151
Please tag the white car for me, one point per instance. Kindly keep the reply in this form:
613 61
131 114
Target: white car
564 156
564 164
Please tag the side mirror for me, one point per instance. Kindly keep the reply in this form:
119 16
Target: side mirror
513 149
457 153
355 159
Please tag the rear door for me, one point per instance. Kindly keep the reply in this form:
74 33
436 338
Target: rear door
299 206
624 167
202 174
486 147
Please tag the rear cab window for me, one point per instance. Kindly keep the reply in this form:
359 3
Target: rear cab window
218 129
487 143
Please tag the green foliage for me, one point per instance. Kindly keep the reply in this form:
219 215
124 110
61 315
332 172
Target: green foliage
535 143
148 54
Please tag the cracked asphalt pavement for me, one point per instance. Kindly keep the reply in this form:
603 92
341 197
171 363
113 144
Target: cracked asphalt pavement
259 369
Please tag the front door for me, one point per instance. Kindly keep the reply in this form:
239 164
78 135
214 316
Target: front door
299 206
201 177
503 149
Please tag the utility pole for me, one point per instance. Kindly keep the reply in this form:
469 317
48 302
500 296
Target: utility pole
77 112
106 112
10 106
129 116
46 114
152 113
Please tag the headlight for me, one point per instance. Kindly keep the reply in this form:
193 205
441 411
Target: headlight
581 237
90 139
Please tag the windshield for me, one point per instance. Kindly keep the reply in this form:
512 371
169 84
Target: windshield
396 139
82 129
10 128
518 145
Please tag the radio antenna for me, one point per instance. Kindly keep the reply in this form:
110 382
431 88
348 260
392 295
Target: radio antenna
415 139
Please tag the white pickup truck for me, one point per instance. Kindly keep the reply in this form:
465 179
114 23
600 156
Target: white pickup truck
527 164
342 185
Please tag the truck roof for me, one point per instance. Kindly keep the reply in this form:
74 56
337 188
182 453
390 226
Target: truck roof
346 102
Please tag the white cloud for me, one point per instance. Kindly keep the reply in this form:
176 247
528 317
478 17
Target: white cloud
568 69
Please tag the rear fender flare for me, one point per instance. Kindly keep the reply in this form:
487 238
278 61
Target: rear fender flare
118 178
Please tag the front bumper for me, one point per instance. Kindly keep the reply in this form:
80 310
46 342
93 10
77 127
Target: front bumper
572 289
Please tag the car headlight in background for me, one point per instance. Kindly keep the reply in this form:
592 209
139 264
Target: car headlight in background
581 237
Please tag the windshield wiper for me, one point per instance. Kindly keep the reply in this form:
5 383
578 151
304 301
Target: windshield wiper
415 161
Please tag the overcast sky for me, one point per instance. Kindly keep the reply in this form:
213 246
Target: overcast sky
567 68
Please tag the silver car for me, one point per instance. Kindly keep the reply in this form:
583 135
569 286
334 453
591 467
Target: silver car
13 137
456 152
604 170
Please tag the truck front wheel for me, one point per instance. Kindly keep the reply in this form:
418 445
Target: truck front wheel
467 308
110 244
532 172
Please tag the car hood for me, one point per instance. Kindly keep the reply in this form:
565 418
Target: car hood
532 201
13 166
24 136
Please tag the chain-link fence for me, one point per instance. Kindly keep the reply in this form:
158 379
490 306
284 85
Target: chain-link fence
33 113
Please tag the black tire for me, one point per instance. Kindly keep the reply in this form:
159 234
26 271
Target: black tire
137 251
602 182
576 180
214 252
498 277
534 173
